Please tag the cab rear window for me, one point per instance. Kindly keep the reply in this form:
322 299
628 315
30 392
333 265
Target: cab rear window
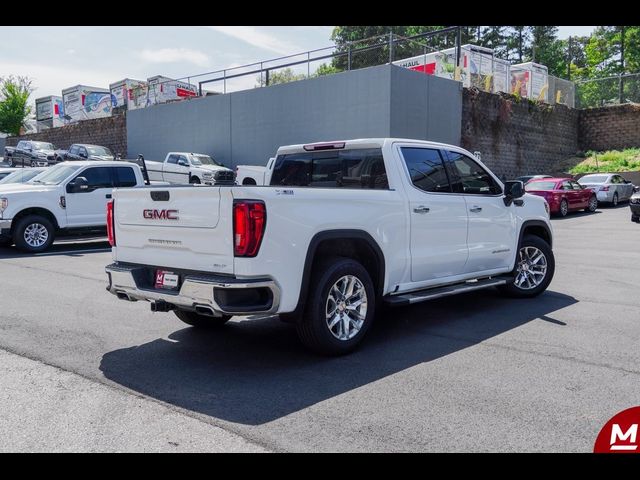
357 168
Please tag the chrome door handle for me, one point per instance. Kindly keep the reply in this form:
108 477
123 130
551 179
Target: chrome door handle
421 209
475 209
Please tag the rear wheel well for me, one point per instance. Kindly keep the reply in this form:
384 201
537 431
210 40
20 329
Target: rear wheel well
43 212
358 249
538 231
249 181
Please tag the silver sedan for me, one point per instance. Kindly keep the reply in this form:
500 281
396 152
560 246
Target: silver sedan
610 187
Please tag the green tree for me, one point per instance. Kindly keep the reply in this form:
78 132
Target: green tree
517 42
377 37
14 110
325 69
285 75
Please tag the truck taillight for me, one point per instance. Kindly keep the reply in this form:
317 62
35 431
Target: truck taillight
111 226
249 222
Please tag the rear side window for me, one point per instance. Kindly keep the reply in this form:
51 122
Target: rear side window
358 168
125 177
426 169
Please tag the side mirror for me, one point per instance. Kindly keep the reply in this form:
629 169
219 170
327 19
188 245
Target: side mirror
83 155
636 188
79 184
512 191
183 163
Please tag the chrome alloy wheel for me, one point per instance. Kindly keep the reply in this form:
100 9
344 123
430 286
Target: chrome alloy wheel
593 204
346 307
36 235
564 208
532 268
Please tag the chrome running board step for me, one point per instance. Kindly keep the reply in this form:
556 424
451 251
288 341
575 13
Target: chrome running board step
439 292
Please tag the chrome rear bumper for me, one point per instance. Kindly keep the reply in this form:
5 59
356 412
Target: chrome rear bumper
199 292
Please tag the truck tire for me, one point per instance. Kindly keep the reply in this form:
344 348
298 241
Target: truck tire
249 181
5 242
340 307
34 163
194 181
201 321
33 234
533 273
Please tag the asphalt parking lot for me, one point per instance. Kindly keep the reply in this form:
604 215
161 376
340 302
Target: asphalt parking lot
81 370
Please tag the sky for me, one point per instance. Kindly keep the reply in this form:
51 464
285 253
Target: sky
60 57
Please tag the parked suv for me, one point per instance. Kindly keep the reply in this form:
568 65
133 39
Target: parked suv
83 151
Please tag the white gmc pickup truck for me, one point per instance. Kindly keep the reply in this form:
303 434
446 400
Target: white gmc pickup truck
70 196
343 228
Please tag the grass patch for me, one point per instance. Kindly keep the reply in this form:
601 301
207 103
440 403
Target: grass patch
611 161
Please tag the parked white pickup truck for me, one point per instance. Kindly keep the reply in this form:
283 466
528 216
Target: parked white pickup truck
68 196
193 168
254 174
344 227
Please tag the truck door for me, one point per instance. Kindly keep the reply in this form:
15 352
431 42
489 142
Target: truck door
492 236
438 240
176 169
88 207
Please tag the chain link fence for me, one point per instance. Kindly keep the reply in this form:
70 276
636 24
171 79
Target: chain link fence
600 92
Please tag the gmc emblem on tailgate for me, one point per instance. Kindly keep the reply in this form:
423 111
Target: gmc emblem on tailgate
151 214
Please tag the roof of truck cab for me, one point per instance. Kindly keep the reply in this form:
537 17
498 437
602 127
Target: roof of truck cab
366 143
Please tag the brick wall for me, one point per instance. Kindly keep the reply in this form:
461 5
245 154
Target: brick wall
110 132
610 128
517 137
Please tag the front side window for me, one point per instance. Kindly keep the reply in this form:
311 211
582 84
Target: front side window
183 159
83 152
566 186
467 176
576 185
73 150
173 159
97 177
426 169
355 168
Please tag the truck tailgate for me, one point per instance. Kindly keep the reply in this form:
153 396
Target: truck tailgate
174 227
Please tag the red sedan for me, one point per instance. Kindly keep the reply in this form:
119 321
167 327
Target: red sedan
563 195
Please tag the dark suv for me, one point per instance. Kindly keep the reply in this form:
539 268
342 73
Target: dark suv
83 151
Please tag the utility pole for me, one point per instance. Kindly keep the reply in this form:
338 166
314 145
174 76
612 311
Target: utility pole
569 60
390 45
621 82
458 46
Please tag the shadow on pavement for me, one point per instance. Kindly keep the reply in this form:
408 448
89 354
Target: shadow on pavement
252 372
65 246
